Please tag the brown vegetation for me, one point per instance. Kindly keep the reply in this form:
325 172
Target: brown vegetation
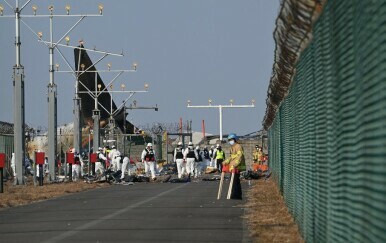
267 215
24 194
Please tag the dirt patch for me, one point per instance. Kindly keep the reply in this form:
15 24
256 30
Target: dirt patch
267 215
24 194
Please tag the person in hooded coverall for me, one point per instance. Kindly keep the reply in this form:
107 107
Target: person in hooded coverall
99 164
148 158
118 160
112 158
76 167
190 157
179 159
125 166
236 162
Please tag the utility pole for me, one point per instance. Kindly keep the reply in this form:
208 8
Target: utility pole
220 108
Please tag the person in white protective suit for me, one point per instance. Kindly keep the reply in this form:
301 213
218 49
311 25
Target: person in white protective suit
126 166
190 158
13 165
112 157
99 164
179 159
76 167
118 160
81 166
148 158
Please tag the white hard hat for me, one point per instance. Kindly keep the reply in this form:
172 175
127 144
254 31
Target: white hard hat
212 146
217 145
149 145
100 148
179 143
197 147
113 147
190 143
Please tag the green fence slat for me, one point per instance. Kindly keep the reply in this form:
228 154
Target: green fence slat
327 144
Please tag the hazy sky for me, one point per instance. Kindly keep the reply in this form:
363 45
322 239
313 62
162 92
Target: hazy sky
185 49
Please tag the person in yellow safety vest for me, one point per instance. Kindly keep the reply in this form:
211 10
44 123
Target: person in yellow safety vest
219 155
255 154
236 163
260 156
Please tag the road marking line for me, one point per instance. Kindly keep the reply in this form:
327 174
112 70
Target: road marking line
100 220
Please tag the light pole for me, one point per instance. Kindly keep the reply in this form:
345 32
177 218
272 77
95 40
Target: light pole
19 112
95 94
18 96
52 93
220 107
80 70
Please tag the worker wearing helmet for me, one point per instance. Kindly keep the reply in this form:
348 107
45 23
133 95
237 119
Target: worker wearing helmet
236 162
198 162
76 166
148 158
258 155
219 155
112 156
255 155
118 160
189 157
179 159
100 160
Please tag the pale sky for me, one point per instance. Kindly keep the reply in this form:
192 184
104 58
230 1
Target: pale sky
185 49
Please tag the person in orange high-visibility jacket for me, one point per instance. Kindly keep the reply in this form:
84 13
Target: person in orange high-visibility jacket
236 162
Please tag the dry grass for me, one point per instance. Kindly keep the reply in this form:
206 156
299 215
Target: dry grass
267 215
24 194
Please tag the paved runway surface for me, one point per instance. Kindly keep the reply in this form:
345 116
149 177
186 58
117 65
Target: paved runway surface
144 212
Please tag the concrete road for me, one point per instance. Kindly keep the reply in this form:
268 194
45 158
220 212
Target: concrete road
144 212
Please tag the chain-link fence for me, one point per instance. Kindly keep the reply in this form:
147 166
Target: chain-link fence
327 142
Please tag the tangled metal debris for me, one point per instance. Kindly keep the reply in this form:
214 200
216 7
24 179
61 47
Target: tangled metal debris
292 34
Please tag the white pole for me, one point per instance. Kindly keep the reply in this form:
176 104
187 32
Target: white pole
220 109
52 109
18 107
